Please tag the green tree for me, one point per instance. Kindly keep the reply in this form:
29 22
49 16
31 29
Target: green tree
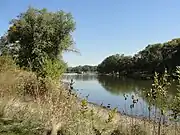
109 64
85 68
124 64
153 58
37 36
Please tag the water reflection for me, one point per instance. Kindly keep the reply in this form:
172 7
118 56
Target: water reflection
110 90
119 86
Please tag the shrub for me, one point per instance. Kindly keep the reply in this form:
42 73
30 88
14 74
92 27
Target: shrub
54 69
7 63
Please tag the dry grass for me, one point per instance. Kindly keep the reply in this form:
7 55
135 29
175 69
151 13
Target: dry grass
26 98
31 105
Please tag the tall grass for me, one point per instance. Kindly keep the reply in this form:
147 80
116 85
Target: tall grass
24 97
33 105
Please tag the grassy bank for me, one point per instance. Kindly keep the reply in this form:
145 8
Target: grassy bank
41 106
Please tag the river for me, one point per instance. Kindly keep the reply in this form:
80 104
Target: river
106 90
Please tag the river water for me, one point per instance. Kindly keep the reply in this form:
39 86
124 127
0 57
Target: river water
106 90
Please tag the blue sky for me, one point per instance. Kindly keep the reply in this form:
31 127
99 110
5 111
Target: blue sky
106 27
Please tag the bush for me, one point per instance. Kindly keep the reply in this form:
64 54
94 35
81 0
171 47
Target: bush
7 63
54 69
48 103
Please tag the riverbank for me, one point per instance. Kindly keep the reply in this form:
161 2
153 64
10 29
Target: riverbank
119 123
32 106
127 121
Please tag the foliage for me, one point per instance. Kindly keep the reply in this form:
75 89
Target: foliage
3 45
85 68
176 100
6 63
165 106
37 36
157 95
111 115
54 68
154 58
110 64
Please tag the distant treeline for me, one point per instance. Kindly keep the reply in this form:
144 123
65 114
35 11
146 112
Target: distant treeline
155 57
79 69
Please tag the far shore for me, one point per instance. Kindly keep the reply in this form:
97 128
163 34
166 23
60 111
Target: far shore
80 74
138 76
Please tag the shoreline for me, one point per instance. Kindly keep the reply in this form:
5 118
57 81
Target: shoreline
102 107
96 106
133 76
129 120
99 107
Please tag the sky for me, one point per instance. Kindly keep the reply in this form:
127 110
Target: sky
107 27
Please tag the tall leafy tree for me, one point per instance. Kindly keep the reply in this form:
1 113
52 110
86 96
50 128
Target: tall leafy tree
85 68
36 37
109 64
154 58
